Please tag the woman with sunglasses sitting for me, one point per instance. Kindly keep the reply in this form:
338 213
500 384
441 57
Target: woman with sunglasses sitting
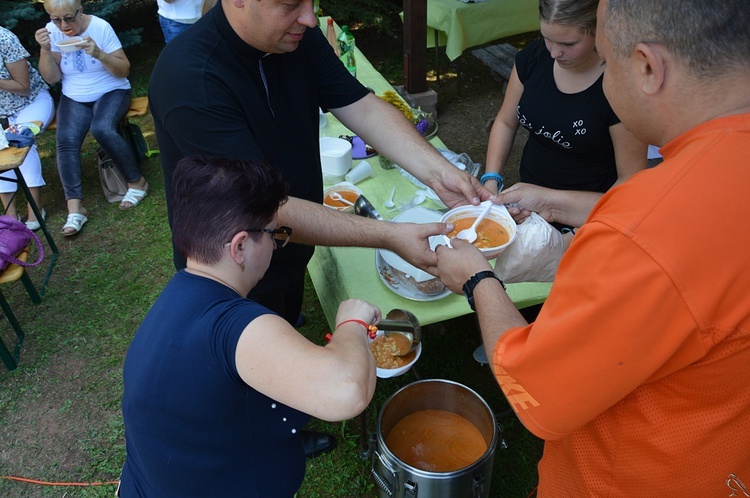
217 387
95 95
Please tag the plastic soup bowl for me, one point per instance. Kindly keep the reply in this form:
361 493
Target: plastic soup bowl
498 214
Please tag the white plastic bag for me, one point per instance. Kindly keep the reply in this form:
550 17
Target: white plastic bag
461 161
534 255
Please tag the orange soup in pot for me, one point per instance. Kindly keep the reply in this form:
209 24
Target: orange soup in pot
490 233
436 441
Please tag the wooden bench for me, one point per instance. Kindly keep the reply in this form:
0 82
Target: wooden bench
500 58
138 107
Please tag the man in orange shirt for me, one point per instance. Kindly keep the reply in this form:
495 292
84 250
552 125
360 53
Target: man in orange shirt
636 369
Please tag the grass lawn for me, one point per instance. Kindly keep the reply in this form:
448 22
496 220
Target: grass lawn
60 418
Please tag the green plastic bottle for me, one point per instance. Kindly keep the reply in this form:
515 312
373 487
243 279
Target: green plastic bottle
346 50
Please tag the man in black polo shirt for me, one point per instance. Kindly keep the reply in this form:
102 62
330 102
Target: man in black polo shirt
246 81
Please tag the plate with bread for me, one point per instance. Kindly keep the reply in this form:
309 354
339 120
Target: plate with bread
402 277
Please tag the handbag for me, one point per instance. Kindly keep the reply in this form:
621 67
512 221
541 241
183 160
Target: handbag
14 237
113 181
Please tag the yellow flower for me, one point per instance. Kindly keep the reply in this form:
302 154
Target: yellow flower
395 100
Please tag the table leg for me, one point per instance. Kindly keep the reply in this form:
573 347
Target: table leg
458 76
364 439
437 58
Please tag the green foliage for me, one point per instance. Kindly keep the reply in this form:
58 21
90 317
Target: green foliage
24 17
363 12
11 12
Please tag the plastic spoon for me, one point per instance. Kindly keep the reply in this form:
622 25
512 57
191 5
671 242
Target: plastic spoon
470 234
389 203
337 197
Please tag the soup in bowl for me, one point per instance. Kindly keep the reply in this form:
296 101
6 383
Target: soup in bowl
347 191
494 233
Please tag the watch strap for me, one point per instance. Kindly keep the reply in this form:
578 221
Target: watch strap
470 284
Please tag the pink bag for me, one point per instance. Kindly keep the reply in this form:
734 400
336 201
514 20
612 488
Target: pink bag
14 236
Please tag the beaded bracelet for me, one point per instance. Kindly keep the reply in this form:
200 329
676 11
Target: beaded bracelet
372 330
493 176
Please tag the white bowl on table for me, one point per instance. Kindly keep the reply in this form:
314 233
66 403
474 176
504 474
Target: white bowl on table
498 214
335 158
70 44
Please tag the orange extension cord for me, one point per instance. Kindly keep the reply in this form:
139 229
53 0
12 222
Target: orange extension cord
45 483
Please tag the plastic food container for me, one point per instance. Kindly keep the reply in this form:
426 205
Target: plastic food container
347 191
498 215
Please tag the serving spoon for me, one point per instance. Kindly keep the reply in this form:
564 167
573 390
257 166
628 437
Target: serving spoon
404 327
470 234
337 197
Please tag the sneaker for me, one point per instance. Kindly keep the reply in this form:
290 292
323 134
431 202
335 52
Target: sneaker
35 225
480 355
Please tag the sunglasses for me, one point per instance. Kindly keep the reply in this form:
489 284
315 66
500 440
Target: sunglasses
67 19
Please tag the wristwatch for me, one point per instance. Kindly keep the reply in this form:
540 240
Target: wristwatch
474 280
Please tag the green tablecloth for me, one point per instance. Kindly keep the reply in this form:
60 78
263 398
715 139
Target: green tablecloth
340 273
464 25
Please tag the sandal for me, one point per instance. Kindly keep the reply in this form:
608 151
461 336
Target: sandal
75 222
134 196
35 225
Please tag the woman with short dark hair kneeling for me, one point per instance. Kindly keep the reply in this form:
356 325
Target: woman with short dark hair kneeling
217 387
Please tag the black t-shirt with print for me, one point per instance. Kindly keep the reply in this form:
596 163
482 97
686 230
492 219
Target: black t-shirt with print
569 144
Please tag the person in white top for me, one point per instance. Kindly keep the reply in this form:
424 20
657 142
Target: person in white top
175 16
23 98
95 95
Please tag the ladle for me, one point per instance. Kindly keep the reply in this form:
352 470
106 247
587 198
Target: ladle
363 208
404 324
338 197
470 234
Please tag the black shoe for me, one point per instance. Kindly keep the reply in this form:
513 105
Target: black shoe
317 443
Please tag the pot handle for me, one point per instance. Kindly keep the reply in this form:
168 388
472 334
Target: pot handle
477 486
378 478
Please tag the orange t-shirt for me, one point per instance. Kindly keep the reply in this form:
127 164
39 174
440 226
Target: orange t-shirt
637 369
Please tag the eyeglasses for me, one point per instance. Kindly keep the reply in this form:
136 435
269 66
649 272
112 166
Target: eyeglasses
281 235
67 19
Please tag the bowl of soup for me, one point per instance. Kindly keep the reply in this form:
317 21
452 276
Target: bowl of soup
70 44
347 191
387 364
495 232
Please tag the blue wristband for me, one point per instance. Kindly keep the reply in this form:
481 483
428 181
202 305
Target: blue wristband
493 176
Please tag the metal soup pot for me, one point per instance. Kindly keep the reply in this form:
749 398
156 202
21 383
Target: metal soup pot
396 478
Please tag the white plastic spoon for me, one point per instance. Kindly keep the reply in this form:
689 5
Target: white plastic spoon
470 234
337 197
389 203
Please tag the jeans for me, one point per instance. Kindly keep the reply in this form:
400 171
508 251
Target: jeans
171 28
102 116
